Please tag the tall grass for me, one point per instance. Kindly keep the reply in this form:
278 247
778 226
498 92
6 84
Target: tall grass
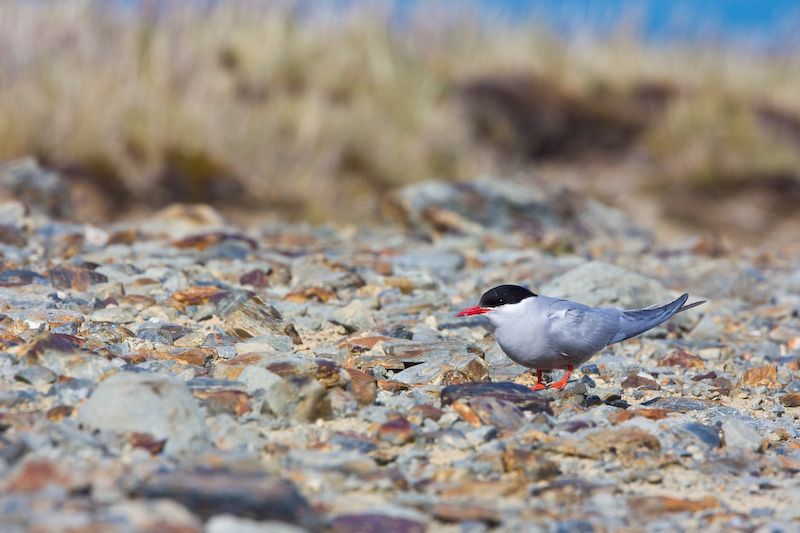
316 116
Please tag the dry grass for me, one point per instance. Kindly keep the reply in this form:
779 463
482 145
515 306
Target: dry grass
315 118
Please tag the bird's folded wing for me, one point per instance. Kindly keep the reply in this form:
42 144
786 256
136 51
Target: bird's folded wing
581 330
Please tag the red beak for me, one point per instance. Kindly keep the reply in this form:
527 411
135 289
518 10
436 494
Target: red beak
477 310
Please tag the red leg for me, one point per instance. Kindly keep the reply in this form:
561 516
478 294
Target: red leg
539 385
560 384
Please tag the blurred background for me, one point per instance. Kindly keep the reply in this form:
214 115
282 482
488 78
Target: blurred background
685 115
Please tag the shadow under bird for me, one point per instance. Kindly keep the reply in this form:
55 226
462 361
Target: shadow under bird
544 333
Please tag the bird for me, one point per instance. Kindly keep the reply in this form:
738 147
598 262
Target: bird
545 333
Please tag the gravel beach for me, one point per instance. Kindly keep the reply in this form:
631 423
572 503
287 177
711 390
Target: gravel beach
179 373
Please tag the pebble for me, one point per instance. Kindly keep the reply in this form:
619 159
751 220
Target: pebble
298 378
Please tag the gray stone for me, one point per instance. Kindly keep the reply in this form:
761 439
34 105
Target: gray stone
155 334
600 284
679 404
317 271
435 261
345 461
412 352
36 375
740 434
152 404
117 314
302 399
708 435
355 316
265 343
40 190
81 365
72 392
258 378
506 206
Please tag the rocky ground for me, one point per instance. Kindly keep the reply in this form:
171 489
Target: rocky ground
181 374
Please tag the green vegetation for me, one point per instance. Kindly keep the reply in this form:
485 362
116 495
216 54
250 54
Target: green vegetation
245 106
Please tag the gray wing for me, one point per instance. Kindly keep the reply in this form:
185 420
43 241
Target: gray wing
580 330
638 321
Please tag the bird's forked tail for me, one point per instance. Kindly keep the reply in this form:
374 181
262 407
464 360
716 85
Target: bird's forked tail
638 321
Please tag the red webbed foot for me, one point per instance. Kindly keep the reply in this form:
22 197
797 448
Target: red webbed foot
539 385
560 384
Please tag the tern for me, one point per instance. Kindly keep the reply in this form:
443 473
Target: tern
544 333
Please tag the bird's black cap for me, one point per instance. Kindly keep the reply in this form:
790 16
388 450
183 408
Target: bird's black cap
504 294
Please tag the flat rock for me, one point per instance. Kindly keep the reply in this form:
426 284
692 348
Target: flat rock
492 411
682 405
766 375
790 399
462 368
519 395
410 352
247 315
157 405
261 343
256 496
618 441
377 523
78 277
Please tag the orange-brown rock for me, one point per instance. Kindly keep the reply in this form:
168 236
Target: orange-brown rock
658 505
59 412
466 512
532 464
760 375
192 356
196 295
361 344
317 294
682 359
212 238
225 401
362 386
146 441
617 441
640 381
398 431
35 474
790 399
